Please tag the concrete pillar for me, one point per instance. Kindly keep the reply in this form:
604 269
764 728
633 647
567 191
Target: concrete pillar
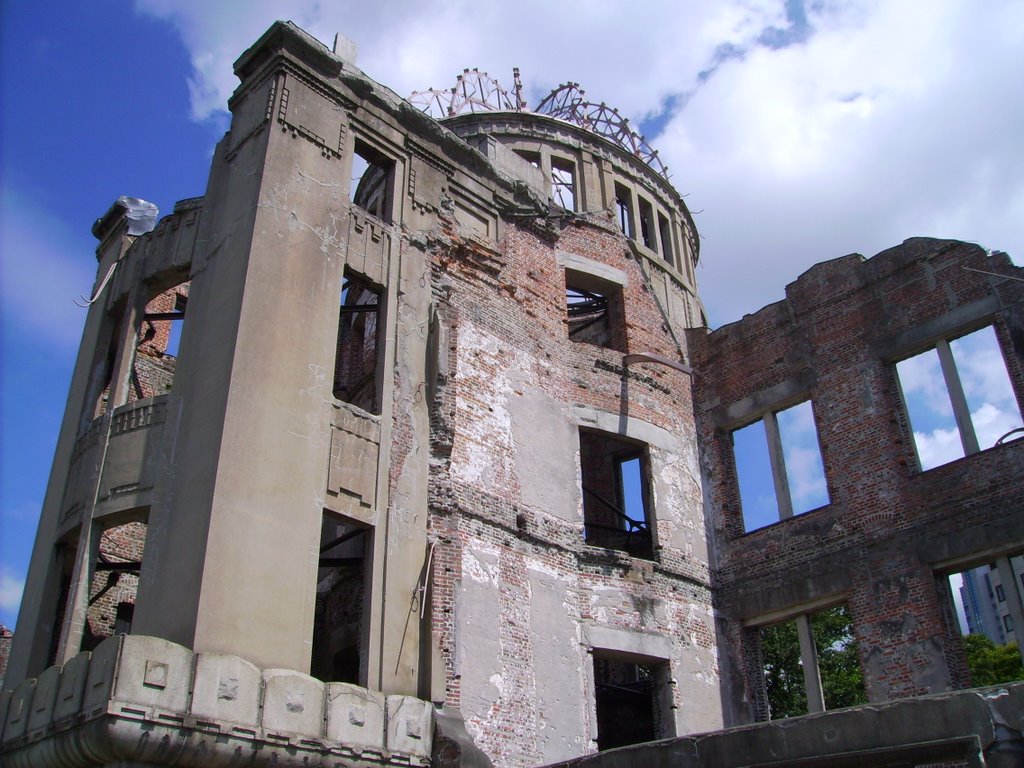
127 341
233 539
961 412
778 462
809 659
75 613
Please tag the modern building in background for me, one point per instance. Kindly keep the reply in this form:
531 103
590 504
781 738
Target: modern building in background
985 601
407 444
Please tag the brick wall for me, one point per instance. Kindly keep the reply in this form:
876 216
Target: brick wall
505 313
6 638
153 369
111 588
891 533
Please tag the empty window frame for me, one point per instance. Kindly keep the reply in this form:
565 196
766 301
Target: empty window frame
533 158
648 232
615 480
814 654
372 185
114 583
665 235
340 632
632 698
624 210
779 467
594 310
357 360
563 183
972 606
155 360
959 398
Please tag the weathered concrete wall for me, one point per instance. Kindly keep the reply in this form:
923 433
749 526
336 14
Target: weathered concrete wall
982 727
891 531
520 600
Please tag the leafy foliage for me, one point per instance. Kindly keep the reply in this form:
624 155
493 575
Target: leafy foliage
841 679
991 664
783 672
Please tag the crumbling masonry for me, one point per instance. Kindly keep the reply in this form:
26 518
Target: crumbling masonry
436 468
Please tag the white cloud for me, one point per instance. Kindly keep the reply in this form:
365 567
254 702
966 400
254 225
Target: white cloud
924 388
806 479
11 588
940 446
630 58
982 370
991 423
888 123
804 470
885 123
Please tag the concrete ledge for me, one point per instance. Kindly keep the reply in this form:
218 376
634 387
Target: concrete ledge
145 700
982 727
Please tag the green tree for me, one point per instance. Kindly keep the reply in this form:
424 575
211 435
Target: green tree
992 664
783 672
841 680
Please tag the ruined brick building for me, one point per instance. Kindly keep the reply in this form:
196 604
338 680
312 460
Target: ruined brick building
437 467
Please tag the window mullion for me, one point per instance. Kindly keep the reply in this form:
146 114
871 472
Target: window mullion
778 462
961 411
809 661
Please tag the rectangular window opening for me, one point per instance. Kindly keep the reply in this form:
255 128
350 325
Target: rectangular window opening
615 482
563 183
981 602
632 700
66 559
340 625
779 467
665 234
101 381
647 224
156 354
372 181
533 158
624 211
593 311
356 365
835 659
964 376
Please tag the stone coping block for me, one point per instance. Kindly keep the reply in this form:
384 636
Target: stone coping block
43 700
293 703
410 725
355 715
72 687
149 700
226 692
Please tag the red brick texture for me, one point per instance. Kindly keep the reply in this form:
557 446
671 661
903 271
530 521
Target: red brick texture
891 532
517 297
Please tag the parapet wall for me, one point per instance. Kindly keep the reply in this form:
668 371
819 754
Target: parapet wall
979 728
148 700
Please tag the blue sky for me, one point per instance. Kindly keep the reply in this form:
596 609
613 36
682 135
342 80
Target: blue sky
986 384
798 130
95 105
